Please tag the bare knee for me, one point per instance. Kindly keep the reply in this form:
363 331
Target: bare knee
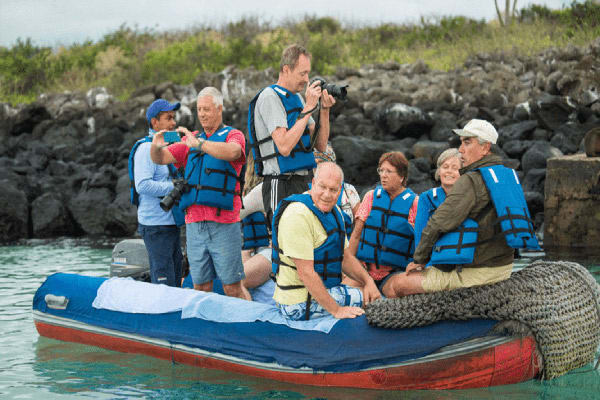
403 284
237 290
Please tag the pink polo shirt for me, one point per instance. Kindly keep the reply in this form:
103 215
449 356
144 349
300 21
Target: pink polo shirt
199 212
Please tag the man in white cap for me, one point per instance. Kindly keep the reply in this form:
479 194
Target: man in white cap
469 198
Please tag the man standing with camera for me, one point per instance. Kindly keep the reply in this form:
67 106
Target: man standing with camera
281 128
210 195
150 182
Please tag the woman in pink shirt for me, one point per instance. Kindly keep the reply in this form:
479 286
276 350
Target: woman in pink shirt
390 222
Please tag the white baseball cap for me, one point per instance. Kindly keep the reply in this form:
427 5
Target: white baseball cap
478 128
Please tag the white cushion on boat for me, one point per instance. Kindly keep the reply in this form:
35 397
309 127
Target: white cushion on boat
129 296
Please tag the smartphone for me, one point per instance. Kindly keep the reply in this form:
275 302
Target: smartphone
172 137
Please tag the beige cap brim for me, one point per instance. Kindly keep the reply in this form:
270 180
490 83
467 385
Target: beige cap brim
462 132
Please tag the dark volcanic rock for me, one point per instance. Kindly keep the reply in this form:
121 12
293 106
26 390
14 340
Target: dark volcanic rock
516 148
51 217
535 203
442 128
537 155
534 180
518 131
568 137
429 150
359 156
31 115
14 212
552 111
419 175
403 120
89 209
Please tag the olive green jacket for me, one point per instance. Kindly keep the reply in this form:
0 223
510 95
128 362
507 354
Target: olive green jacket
469 198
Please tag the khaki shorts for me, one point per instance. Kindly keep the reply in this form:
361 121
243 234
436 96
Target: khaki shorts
435 280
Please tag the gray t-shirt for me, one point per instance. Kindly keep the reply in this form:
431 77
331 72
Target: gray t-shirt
269 114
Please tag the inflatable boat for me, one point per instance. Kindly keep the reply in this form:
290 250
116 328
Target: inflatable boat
445 355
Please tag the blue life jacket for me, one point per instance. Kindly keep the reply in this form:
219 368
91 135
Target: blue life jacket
301 157
387 237
455 247
513 214
134 197
327 257
429 201
254 230
209 180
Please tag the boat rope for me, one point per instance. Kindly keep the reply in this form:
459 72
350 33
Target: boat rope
559 302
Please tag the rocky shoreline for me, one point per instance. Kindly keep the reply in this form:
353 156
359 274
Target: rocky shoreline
64 156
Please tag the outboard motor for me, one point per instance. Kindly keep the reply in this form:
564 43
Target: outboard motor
130 258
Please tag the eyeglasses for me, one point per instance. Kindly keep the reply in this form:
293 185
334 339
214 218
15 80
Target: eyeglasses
382 171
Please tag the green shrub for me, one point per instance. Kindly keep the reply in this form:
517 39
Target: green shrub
128 58
24 68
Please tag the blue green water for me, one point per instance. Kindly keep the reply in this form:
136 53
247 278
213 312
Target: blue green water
33 367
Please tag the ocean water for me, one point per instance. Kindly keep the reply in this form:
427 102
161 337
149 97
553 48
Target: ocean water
33 367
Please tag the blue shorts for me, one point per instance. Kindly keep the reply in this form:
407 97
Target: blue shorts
343 295
214 250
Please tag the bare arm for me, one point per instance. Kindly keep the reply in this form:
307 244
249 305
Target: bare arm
286 138
327 101
317 290
158 151
355 270
354 238
221 151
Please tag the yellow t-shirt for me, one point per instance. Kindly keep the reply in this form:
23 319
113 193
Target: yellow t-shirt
299 234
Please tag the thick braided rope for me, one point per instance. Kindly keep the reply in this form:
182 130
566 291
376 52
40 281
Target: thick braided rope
558 301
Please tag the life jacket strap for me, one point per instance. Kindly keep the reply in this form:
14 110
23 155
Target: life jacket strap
390 212
385 230
512 217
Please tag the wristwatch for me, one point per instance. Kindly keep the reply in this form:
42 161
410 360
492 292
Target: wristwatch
200 143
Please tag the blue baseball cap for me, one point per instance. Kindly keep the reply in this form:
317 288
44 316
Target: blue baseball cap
159 106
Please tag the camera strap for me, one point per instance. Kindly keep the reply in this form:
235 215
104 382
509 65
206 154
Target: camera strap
304 114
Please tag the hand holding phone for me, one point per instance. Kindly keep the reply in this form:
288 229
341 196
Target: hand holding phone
172 137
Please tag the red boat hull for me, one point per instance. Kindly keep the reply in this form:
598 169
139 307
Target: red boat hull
511 361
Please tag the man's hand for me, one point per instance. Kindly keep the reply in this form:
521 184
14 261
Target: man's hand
312 95
159 138
327 100
370 292
413 267
190 138
348 312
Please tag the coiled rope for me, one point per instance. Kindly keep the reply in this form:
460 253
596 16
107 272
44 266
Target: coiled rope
558 301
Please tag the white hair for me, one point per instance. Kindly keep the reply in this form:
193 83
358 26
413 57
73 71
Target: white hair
446 154
329 164
213 92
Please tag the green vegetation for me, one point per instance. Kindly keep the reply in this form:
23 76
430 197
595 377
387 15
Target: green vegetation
128 59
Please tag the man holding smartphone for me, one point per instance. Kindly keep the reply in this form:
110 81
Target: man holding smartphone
149 183
213 160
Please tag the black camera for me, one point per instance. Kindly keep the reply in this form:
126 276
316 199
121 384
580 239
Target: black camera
339 92
174 195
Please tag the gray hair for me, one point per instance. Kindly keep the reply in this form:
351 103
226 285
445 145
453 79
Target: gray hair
329 164
291 55
446 154
213 92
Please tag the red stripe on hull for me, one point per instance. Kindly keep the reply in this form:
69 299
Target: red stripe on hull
503 364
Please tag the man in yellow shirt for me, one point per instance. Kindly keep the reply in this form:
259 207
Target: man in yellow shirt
310 252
